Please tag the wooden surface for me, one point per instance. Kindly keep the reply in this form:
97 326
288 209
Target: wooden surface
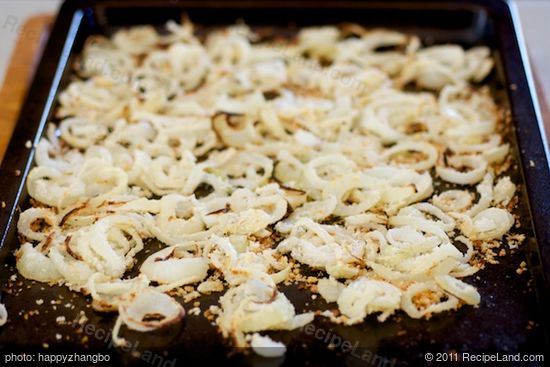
19 74
23 63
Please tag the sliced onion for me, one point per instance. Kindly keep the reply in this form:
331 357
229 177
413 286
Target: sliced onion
504 191
266 347
413 311
234 130
365 296
254 306
34 265
477 170
316 210
136 308
358 189
107 293
417 215
81 133
319 171
175 266
3 315
427 149
459 289
485 190
330 289
453 200
30 216
489 224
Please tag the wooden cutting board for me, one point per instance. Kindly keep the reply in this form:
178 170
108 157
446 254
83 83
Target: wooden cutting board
26 55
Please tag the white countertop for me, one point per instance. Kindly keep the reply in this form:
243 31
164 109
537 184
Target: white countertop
534 16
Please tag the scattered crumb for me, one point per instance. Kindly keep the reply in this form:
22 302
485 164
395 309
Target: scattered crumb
514 240
28 144
522 268
210 286
195 311
191 296
531 163
333 315
82 319
17 173
58 336
312 279
39 301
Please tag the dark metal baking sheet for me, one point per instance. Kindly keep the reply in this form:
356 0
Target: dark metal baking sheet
512 317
